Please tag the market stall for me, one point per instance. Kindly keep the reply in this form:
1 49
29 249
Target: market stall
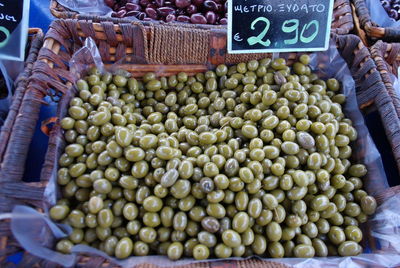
204 133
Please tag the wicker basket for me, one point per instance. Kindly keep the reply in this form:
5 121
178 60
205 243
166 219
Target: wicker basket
35 43
20 99
368 30
342 19
51 71
387 59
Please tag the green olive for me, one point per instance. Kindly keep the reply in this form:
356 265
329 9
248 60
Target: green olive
59 212
349 248
175 250
276 250
231 238
222 251
200 252
124 248
321 250
64 246
336 235
368 205
304 251
76 219
274 231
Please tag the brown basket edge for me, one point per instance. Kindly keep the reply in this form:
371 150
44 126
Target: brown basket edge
345 20
20 86
378 51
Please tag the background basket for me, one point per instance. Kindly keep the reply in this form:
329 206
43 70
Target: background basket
387 59
35 41
368 30
51 71
20 99
342 18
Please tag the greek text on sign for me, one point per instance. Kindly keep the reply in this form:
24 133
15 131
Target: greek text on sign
256 26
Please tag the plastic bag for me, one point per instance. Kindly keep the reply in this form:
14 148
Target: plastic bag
379 14
327 64
95 7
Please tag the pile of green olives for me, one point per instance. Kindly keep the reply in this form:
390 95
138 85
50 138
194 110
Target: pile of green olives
251 159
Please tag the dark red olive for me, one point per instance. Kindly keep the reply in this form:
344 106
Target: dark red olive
141 15
180 12
220 8
210 5
132 13
121 13
197 2
170 18
198 19
223 21
183 18
385 4
394 14
145 2
151 13
132 7
211 17
159 3
165 11
153 6
191 9
182 3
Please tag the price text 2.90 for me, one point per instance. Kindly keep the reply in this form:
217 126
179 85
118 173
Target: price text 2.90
291 26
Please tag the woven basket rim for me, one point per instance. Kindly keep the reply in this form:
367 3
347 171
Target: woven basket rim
61 12
381 52
20 85
13 120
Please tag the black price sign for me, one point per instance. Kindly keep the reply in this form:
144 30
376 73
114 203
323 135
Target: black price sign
257 26
13 28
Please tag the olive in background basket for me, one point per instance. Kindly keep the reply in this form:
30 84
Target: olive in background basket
196 11
392 7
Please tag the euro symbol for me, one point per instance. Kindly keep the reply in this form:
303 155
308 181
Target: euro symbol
237 37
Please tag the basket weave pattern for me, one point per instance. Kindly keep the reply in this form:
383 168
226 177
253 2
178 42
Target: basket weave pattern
387 59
